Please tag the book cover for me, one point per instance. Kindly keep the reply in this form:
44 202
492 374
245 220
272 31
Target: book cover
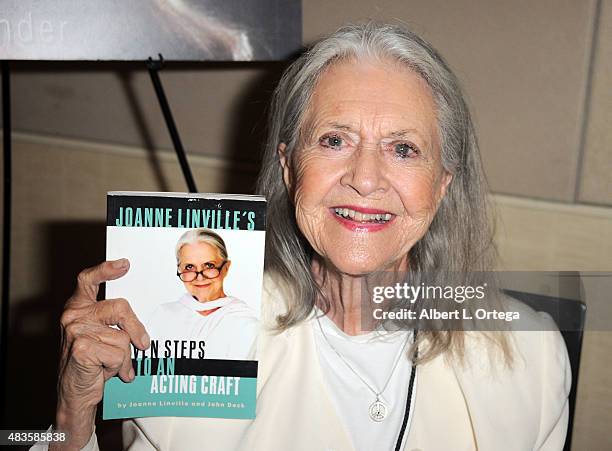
195 282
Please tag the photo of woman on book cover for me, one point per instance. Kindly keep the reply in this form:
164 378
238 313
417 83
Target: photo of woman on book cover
205 312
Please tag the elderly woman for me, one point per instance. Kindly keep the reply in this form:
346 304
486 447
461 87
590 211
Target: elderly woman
371 165
227 324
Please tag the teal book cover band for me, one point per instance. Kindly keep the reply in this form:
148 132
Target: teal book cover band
195 282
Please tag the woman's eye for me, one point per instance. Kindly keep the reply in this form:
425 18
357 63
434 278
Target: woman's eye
209 265
405 150
189 267
331 141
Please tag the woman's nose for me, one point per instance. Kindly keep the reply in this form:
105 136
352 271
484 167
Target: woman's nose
365 172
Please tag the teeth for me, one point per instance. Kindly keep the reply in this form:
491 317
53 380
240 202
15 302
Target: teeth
362 217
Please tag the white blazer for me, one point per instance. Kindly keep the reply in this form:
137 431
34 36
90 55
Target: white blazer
473 407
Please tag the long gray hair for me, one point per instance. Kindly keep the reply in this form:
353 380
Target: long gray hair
459 239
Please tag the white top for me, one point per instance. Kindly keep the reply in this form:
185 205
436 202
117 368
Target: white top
478 404
229 331
373 356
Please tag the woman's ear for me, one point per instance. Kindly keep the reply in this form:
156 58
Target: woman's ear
445 180
284 162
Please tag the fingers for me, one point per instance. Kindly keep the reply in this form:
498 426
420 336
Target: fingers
90 279
94 346
120 341
89 320
92 351
90 357
82 307
118 312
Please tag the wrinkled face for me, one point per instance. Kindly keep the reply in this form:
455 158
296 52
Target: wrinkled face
203 257
366 179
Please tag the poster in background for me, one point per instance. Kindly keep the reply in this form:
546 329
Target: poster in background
179 30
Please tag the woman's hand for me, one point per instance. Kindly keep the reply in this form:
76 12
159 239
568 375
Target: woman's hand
93 352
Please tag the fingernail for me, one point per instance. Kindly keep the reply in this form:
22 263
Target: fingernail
120 264
146 340
132 375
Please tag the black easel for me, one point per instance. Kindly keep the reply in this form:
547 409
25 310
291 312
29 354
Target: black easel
154 67
6 229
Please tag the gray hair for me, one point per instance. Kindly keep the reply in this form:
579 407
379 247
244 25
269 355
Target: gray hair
466 249
201 235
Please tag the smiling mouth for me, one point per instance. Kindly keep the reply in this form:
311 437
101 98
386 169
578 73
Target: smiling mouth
366 218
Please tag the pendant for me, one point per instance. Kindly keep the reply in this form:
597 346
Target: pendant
378 411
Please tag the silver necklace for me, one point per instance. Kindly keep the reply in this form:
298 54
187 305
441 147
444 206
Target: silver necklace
378 409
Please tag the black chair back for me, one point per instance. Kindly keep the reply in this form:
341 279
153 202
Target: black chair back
570 316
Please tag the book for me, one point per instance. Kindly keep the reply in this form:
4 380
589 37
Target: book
195 282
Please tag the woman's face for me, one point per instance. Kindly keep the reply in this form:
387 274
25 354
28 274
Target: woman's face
366 180
200 257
